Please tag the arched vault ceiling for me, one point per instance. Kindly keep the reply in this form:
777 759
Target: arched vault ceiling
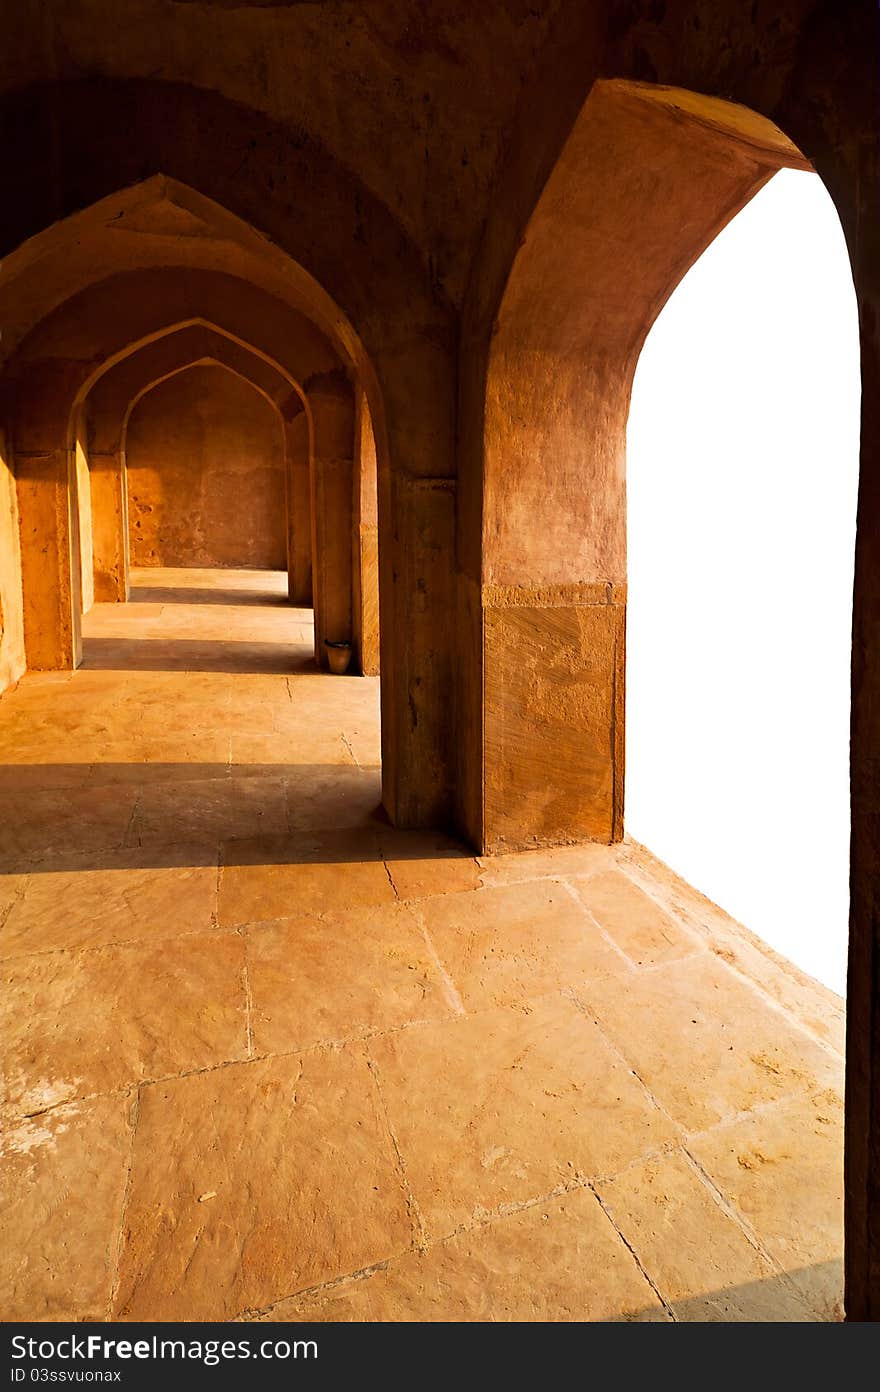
153 225
429 89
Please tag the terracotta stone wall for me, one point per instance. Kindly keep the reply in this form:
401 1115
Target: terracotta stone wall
12 660
206 482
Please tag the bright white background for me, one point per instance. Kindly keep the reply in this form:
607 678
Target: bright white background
742 465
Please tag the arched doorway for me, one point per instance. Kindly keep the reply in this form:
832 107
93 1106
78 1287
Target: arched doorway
742 479
646 179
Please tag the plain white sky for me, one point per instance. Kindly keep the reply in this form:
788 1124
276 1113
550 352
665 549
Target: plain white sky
742 465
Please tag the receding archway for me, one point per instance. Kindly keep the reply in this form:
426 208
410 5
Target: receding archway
110 402
291 258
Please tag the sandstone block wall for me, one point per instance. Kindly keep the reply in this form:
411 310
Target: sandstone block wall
206 482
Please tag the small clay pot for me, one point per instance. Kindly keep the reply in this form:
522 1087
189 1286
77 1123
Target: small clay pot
338 656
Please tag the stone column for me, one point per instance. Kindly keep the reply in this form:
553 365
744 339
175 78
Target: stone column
47 512
332 473
85 554
365 544
299 504
109 526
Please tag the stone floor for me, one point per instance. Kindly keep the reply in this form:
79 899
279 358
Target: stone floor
269 1059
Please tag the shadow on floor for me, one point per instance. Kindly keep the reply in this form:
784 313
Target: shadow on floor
775 1300
185 655
155 594
151 816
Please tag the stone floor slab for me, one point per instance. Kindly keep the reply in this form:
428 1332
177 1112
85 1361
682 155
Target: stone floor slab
706 1042
556 862
215 808
556 1261
252 1182
278 877
64 1176
505 1106
782 1169
81 1023
504 945
134 895
697 1256
634 921
425 864
329 798
42 822
322 979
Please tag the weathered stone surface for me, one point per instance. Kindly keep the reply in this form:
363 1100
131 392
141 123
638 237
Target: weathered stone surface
64 1174
135 895
635 922
666 1020
559 1260
492 278
304 873
504 945
344 974
505 1106
334 797
421 865
107 1018
217 1224
699 1259
817 1008
556 861
782 1168
37 823
214 808
553 685
11 889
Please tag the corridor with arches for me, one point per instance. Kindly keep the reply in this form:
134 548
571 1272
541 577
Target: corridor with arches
336 985
269 1058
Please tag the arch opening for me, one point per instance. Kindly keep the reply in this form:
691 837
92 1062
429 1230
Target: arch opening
172 333
646 181
742 478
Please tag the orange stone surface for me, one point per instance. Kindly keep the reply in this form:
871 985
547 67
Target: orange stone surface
553 1085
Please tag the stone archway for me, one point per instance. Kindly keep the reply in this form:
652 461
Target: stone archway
643 184
647 176
379 308
109 406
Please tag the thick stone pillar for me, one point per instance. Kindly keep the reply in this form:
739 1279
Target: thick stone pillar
365 544
85 553
332 481
412 405
45 470
48 576
299 503
109 526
